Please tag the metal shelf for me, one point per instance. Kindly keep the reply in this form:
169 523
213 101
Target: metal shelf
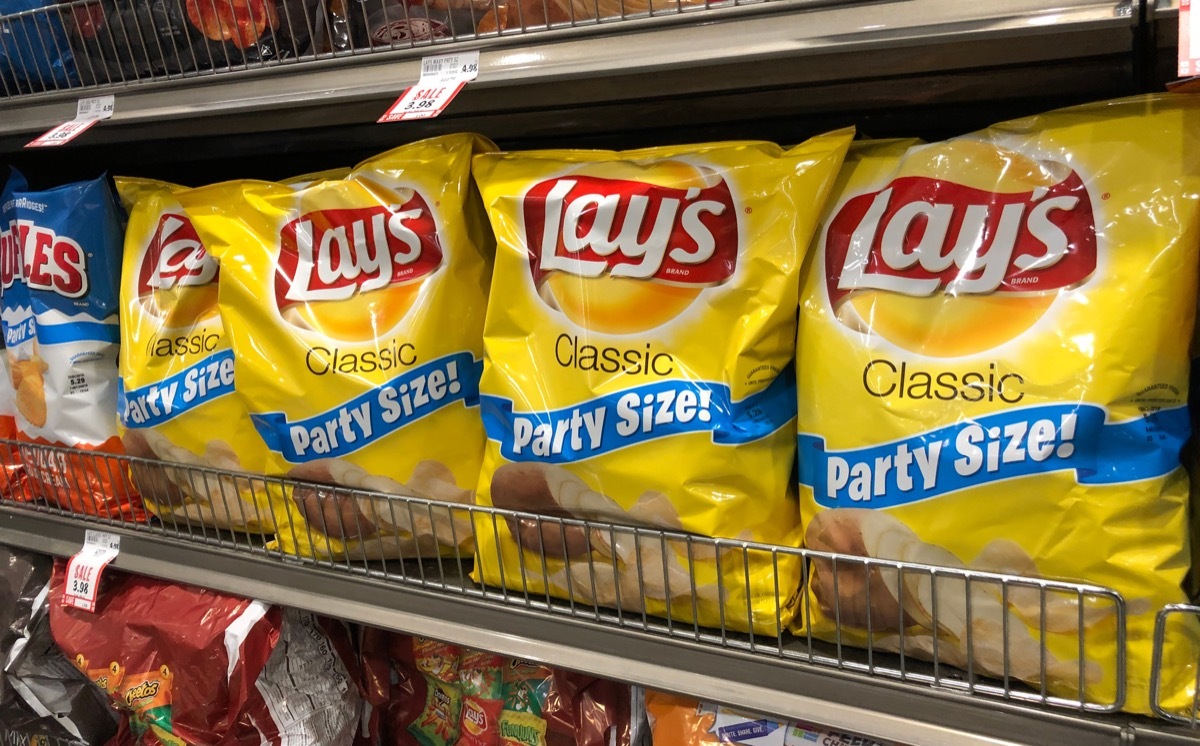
787 43
838 699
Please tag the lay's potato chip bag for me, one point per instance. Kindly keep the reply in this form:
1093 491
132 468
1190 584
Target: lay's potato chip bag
993 367
177 400
638 342
60 325
355 310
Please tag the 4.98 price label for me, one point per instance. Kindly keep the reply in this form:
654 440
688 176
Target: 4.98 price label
442 77
85 568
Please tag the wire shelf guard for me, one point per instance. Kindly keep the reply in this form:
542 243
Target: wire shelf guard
104 44
641 579
1176 655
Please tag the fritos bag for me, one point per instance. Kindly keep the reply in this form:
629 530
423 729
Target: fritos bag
635 371
177 402
355 309
11 470
62 333
993 367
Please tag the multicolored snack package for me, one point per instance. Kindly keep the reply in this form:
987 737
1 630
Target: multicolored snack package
176 399
424 692
11 469
355 310
993 370
642 316
192 666
682 721
61 330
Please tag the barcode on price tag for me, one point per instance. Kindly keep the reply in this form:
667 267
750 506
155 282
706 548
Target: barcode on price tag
88 112
85 568
1189 38
442 77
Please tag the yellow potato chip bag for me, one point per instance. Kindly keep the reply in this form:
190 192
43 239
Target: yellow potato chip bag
355 309
176 399
993 371
638 344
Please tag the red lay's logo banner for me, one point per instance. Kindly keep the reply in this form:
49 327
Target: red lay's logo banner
52 262
920 236
333 254
589 226
175 257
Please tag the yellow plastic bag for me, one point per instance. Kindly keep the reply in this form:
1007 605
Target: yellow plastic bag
355 308
638 341
176 401
993 370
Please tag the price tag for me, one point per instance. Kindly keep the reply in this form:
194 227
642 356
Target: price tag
88 112
85 568
1189 38
442 77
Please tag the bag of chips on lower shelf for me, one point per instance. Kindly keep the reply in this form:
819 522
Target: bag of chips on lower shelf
42 696
355 310
683 721
11 469
637 373
428 693
993 369
192 666
177 402
61 329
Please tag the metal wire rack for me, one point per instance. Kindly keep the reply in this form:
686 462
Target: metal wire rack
429 544
1176 626
106 44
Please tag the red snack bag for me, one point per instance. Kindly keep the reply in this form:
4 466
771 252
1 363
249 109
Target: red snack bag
481 678
190 666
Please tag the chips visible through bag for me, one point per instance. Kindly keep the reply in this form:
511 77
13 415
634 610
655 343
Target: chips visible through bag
642 316
177 401
355 310
61 329
993 371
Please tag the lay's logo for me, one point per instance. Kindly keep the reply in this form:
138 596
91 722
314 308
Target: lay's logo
51 262
331 255
590 226
920 236
175 257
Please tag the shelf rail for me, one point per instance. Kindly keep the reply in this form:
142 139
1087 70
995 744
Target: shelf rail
113 44
341 524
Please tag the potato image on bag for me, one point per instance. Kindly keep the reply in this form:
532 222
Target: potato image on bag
992 365
354 309
636 374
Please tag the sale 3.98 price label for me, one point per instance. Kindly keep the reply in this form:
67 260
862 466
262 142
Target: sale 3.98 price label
442 77
85 568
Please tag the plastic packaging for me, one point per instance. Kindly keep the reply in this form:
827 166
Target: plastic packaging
993 371
60 324
355 310
641 315
177 399
192 667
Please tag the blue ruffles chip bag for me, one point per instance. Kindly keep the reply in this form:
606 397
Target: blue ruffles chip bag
60 326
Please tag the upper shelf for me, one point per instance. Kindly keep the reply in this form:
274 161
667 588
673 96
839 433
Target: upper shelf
727 50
